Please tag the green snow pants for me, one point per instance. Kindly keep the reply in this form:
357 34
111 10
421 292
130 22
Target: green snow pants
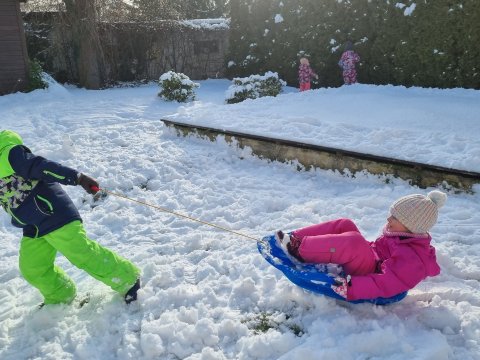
37 257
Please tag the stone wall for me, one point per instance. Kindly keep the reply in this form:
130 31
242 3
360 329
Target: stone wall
345 162
134 51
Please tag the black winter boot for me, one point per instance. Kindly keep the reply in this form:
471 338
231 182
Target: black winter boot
131 294
293 247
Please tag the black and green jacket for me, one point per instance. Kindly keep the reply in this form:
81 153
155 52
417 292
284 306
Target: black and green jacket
30 190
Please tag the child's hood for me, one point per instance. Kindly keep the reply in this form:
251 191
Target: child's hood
8 140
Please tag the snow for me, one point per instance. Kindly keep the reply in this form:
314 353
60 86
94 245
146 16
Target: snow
433 126
207 293
409 10
210 24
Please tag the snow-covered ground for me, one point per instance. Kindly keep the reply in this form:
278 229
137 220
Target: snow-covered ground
208 294
431 126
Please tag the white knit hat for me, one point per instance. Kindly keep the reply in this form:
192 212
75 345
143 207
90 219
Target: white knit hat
418 213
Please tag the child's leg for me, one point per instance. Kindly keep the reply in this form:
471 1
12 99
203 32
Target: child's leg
36 260
330 227
353 77
350 76
98 261
349 249
347 77
304 86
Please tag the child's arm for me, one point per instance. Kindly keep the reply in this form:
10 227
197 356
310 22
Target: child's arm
30 166
398 274
341 61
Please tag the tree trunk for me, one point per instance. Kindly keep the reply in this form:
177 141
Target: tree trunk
81 16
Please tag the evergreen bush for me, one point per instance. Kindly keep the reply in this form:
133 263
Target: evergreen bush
35 80
411 43
177 87
253 87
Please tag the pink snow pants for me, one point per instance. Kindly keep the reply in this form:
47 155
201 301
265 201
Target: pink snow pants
304 86
349 76
337 242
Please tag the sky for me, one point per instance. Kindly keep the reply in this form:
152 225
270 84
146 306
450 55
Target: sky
207 293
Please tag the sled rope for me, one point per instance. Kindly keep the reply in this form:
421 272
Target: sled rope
176 213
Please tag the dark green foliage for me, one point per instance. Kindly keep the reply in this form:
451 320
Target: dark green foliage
177 87
271 86
446 44
254 86
35 80
263 324
37 30
240 96
435 45
264 321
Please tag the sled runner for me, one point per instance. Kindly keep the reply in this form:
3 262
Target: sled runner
317 278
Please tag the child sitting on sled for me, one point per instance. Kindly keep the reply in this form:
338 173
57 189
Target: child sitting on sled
31 194
396 261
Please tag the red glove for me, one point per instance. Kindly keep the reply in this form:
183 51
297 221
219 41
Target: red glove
340 285
90 185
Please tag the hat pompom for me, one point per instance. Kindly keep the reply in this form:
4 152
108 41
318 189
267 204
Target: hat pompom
438 197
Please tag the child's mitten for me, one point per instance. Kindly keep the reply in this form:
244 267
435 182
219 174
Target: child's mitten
341 284
90 185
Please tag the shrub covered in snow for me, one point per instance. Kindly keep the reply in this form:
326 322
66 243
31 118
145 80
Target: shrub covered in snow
177 87
254 86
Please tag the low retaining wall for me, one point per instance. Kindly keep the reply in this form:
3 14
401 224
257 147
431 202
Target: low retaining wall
314 156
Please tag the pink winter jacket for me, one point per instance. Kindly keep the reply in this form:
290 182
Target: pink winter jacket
348 60
305 73
403 263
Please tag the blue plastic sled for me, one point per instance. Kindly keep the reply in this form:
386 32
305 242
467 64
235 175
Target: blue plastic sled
312 277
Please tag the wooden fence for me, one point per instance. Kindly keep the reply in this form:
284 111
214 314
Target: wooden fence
13 50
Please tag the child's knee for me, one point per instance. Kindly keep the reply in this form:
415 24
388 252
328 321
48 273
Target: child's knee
347 222
347 225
